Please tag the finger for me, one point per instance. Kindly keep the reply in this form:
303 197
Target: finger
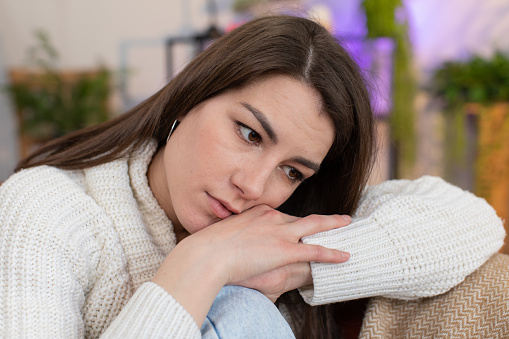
270 212
257 210
317 253
317 223
280 280
299 274
280 216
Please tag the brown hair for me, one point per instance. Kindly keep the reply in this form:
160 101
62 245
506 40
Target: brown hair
271 45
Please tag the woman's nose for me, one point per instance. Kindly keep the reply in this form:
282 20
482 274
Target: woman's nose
252 180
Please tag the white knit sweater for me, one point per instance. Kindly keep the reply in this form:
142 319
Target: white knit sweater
78 248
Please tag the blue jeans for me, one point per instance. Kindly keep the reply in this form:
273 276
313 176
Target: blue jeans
239 312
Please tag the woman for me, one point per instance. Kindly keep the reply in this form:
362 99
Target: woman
131 228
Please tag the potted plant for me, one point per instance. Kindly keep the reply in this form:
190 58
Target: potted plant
50 102
478 88
388 19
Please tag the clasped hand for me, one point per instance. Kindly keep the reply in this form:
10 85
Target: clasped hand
261 248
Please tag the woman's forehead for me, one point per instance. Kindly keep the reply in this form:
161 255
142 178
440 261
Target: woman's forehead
291 108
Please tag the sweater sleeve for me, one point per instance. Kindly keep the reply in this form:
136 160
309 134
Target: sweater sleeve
152 313
408 239
62 268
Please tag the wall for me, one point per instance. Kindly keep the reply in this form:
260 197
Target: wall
114 33
8 129
455 29
132 33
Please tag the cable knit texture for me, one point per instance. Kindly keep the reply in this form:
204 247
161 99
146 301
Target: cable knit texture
78 248
77 245
408 239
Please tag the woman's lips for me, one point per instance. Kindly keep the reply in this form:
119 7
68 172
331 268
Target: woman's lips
218 208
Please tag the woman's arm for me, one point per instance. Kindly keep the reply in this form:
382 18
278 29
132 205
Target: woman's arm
238 248
408 239
63 273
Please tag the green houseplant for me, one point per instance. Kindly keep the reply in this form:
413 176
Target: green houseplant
476 80
479 88
50 102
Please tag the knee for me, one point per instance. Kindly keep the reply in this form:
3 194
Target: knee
243 312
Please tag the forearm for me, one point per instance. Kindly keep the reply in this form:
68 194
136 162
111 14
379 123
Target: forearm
260 242
409 239
191 279
152 313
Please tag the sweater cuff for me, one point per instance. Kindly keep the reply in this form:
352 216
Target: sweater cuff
153 313
374 267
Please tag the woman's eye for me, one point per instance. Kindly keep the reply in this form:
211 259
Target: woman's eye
249 135
293 174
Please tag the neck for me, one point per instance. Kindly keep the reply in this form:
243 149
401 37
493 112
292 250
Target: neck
158 184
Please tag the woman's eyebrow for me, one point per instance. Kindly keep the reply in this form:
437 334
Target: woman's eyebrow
308 163
272 135
262 119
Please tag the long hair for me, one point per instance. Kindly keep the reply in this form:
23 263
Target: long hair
285 45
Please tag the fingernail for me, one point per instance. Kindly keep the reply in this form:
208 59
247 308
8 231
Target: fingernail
347 218
345 255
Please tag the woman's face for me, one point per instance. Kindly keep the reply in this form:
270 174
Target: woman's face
245 147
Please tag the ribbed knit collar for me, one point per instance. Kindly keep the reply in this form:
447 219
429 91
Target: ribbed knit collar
145 232
157 222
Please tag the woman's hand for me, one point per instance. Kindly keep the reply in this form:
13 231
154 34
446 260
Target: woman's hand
256 242
283 279
286 278
262 239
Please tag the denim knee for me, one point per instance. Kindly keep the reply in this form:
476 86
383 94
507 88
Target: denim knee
240 312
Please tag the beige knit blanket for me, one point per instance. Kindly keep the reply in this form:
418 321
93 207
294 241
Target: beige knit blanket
476 308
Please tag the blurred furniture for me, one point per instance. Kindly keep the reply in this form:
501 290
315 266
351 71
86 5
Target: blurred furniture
198 41
492 164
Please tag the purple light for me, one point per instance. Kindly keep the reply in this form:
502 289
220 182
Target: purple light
374 57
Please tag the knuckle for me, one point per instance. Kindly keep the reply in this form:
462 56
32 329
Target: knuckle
318 251
272 213
281 244
314 219
321 252
281 285
264 207
279 280
259 208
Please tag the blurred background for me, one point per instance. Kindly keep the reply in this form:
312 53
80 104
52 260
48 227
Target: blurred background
438 72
